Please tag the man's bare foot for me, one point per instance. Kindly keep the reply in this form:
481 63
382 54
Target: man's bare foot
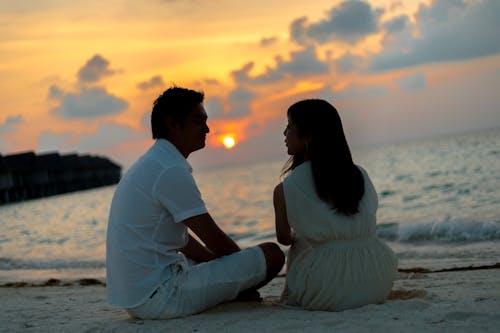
249 295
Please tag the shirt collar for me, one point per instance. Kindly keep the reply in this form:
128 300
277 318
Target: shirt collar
168 146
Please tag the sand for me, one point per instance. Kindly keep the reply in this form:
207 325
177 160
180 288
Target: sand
454 301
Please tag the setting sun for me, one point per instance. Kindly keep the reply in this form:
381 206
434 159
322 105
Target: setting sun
228 141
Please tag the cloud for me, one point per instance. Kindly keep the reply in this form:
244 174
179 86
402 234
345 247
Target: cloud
153 82
350 22
105 136
298 30
215 107
237 105
360 91
10 123
94 69
202 83
50 141
444 31
395 5
396 24
87 103
55 92
302 63
266 41
239 102
412 82
211 81
325 93
349 62
146 120
243 74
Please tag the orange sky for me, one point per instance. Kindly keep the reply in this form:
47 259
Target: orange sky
81 75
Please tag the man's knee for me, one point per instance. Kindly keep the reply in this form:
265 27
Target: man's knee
275 258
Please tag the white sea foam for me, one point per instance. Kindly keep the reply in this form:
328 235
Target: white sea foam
447 231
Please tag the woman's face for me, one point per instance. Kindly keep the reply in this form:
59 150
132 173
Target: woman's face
295 144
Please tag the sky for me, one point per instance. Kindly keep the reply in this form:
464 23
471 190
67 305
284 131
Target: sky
81 76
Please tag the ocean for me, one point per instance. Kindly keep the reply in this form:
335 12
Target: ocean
439 207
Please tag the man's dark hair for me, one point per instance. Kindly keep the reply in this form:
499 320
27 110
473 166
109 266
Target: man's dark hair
175 102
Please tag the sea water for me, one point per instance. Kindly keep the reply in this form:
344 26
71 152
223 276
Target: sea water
439 207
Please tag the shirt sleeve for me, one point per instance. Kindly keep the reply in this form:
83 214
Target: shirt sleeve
176 190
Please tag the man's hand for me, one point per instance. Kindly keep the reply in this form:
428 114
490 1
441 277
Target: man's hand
196 251
209 233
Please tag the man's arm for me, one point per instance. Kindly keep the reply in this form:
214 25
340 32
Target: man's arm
197 251
219 244
209 233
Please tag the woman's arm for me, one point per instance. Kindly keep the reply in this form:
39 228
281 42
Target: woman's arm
283 231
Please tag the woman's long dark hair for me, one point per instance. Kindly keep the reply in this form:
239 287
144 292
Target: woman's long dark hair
337 180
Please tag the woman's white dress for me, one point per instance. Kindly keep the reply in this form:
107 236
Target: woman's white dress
336 261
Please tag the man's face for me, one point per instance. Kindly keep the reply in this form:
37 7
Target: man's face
194 130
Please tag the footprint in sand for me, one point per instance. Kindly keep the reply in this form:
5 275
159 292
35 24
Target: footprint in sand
403 294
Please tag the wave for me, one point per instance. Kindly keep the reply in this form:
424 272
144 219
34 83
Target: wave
448 231
7 264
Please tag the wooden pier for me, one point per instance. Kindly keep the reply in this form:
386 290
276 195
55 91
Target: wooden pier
26 176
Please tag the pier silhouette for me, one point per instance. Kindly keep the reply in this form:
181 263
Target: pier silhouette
26 175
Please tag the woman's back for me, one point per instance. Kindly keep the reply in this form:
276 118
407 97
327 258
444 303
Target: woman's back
336 261
315 220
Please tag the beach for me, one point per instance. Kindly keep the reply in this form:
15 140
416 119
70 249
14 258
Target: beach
438 211
451 301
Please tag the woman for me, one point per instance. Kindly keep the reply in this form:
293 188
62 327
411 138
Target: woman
326 209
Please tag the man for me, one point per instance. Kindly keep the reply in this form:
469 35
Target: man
149 251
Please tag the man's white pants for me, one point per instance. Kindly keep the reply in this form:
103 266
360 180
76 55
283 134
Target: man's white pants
194 288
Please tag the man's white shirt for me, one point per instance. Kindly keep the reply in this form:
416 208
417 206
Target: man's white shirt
144 230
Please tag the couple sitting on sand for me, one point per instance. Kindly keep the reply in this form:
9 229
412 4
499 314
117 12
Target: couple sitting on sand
166 257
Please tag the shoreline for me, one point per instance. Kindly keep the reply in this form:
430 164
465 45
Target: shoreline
52 282
452 301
